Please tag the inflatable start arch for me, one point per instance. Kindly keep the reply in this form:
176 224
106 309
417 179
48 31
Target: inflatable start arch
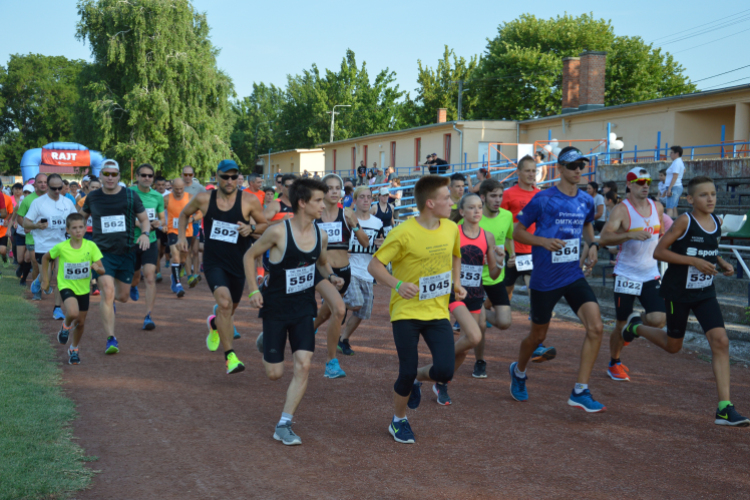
60 154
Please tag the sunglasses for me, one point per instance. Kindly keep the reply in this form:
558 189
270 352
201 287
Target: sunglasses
188 175
576 165
110 174
55 188
147 176
232 177
641 182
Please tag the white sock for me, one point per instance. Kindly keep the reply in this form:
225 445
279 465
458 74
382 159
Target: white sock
579 388
519 373
73 347
285 419
398 419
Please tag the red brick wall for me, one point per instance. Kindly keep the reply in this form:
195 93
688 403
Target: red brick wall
442 115
592 72
571 82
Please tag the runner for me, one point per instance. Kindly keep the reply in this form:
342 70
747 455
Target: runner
174 203
193 266
520 260
147 260
691 247
93 184
255 186
634 225
383 210
23 257
563 215
6 215
228 230
425 252
499 223
337 223
287 304
281 208
76 257
477 246
359 296
45 221
160 185
40 189
113 210
457 188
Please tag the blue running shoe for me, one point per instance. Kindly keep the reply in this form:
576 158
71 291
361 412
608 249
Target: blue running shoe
585 401
401 431
57 313
542 354
36 286
173 285
36 296
333 370
63 334
416 395
179 290
134 294
456 327
518 385
158 277
489 325
148 323
112 347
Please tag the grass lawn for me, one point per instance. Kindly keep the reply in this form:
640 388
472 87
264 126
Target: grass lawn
37 457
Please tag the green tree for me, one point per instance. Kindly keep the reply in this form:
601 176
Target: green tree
520 74
157 94
254 121
438 88
38 96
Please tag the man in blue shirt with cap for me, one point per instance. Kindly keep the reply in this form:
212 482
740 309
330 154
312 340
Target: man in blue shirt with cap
563 215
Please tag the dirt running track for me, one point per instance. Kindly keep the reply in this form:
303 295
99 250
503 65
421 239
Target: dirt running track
167 422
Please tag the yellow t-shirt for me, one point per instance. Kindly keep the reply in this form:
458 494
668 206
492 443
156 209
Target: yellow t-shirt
74 266
425 258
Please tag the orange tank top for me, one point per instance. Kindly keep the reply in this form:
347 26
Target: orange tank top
173 214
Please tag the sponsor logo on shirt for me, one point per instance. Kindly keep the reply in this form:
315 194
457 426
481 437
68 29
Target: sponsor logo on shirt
692 252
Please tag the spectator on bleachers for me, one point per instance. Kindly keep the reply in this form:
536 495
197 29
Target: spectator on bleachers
599 216
361 173
674 179
395 196
439 166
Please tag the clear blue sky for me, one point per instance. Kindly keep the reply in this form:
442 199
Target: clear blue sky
265 41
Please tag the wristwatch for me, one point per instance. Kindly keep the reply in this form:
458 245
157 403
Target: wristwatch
356 228
332 275
252 228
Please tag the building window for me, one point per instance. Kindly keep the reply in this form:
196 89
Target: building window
354 159
447 148
334 160
393 155
364 154
417 150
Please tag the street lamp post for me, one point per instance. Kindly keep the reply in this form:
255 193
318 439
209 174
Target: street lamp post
333 116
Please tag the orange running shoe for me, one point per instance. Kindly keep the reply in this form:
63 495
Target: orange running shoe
618 372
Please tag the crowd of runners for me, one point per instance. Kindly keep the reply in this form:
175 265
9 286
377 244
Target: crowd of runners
451 269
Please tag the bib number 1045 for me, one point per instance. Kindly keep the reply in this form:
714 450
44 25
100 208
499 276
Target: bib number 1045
431 287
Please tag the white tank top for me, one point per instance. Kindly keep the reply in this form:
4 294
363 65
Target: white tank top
636 261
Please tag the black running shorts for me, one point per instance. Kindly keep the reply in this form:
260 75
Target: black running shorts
217 277
301 337
649 299
346 274
497 294
83 300
543 302
706 311
172 240
512 274
145 257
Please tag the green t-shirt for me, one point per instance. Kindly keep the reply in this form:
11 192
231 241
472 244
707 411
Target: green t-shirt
153 201
23 210
502 227
74 266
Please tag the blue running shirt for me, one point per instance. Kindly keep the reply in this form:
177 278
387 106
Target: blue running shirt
557 215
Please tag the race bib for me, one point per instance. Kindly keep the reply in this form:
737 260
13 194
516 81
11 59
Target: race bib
524 262
224 231
386 230
56 223
79 271
89 222
176 223
151 212
628 287
471 276
569 253
334 230
431 287
696 279
300 279
113 224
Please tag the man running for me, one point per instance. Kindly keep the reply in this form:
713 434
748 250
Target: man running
45 221
338 224
520 260
425 252
114 210
147 260
499 223
359 296
6 215
563 215
227 222
281 208
634 225
193 266
174 202
457 188
160 185
287 304
691 247
40 189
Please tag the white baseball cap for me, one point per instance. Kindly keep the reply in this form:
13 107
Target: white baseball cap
637 173
28 188
111 164
383 190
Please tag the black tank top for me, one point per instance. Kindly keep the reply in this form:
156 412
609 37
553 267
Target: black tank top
284 207
290 289
386 217
338 231
224 246
685 283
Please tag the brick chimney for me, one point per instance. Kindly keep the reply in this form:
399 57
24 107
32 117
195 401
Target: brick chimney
442 115
591 93
570 83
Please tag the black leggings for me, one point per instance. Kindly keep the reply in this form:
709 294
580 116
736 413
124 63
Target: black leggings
438 334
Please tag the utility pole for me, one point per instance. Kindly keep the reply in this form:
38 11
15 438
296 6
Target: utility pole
131 171
333 116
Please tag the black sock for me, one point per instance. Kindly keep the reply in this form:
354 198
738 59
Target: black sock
227 353
614 361
176 273
26 266
213 323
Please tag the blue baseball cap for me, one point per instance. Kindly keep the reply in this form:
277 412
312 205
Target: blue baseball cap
570 154
227 165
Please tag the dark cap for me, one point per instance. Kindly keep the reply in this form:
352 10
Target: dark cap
227 165
570 154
